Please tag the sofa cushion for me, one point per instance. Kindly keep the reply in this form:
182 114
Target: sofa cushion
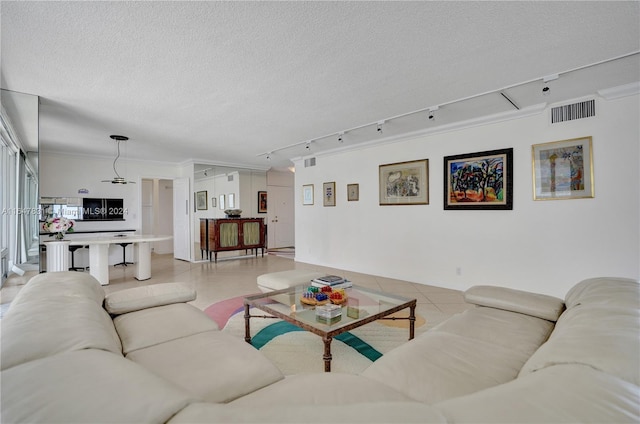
558 394
603 337
44 327
213 366
618 292
480 348
137 298
149 327
50 285
520 332
536 305
367 413
321 389
285 279
87 386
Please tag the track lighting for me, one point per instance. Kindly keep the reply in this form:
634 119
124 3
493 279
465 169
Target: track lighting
269 156
308 146
546 89
432 115
205 173
379 128
340 134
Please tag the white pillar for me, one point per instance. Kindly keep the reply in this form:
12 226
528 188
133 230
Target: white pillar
57 255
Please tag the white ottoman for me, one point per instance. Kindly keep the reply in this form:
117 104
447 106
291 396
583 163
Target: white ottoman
285 279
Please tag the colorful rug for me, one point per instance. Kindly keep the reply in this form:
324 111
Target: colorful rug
296 351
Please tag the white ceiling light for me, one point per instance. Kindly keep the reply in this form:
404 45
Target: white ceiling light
118 179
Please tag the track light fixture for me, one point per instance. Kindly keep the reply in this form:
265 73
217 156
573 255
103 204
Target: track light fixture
546 89
269 155
308 145
379 128
340 134
432 110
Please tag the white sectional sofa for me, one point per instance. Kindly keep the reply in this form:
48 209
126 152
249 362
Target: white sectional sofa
68 354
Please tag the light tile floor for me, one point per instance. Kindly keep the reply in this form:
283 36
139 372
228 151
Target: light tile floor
231 277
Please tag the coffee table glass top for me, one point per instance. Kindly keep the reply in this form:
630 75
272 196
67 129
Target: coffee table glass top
363 305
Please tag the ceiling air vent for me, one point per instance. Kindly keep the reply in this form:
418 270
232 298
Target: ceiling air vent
573 111
309 162
230 177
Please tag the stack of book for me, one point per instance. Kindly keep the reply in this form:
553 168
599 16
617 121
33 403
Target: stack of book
334 281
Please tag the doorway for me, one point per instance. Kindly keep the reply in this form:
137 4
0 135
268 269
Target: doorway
157 211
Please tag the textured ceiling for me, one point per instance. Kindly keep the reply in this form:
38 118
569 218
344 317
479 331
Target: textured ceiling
223 82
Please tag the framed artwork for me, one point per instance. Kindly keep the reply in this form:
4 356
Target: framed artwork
231 200
329 194
404 183
307 194
201 200
262 202
221 202
482 180
214 202
563 169
353 192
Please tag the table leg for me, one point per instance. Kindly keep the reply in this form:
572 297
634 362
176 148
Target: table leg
412 321
143 270
327 354
247 330
99 262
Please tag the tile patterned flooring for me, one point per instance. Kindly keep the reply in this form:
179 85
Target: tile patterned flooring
231 277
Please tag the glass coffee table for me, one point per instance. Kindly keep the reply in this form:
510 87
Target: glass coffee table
363 306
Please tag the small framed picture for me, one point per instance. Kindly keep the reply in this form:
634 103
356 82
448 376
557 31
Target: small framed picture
329 194
231 200
221 202
214 202
482 180
262 202
307 194
353 192
201 200
563 169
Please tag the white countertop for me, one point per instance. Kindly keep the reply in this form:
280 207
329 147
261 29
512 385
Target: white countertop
112 239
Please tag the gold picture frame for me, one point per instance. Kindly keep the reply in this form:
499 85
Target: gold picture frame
404 183
563 169
353 192
329 194
307 194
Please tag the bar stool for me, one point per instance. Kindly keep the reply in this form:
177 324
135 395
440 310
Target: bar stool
124 255
73 249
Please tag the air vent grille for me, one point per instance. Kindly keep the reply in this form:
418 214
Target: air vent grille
573 111
229 177
309 162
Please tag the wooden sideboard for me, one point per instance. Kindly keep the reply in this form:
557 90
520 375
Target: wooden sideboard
225 234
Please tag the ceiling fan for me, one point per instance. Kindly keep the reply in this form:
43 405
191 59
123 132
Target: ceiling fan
118 179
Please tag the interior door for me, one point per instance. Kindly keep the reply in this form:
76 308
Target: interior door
281 226
181 219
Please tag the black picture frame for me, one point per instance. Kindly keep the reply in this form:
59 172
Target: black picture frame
262 202
479 181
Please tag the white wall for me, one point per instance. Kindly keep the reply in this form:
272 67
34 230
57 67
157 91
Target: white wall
63 175
541 246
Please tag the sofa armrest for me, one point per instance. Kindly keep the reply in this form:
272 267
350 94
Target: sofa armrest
533 304
137 298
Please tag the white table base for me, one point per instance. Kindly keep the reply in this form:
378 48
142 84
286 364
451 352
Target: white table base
57 256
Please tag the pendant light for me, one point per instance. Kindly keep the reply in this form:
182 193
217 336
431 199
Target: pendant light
118 179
